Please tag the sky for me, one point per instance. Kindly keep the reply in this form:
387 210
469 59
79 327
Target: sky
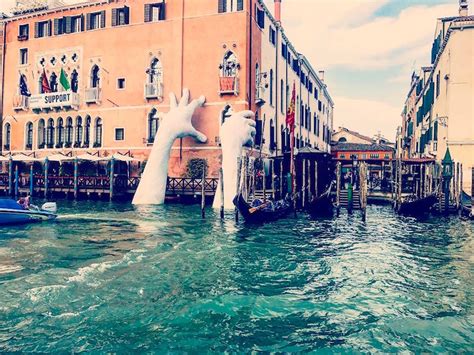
367 48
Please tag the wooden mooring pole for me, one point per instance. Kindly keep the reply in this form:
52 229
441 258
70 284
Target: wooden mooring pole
221 179
237 188
203 192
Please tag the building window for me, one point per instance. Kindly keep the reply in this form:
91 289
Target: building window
342 156
260 17
7 136
41 134
74 81
257 81
271 87
87 132
272 35
43 29
98 132
77 24
154 12
121 16
119 134
95 76
230 65
272 136
69 132
153 124
78 141
121 83
96 20
230 5
23 32
29 136
59 26
438 83
50 134
282 85
60 133
53 82
23 56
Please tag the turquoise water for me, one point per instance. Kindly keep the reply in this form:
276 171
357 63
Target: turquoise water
109 278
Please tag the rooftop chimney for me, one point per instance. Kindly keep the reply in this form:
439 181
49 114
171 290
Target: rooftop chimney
278 10
463 8
321 75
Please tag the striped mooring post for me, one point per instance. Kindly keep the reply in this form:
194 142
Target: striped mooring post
32 179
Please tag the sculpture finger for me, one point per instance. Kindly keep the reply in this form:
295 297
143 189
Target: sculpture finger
201 137
252 131
251 122
247 114
173 101
185 98
197 102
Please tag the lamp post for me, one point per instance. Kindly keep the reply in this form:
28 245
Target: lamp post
447 175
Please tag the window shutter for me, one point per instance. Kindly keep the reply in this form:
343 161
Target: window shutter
162 11
147 12
82 23
222 6
56 27
50 28
240 5
114 17
127 15
102 19
89 16
68 24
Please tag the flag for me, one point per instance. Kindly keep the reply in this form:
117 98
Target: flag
45 83
24 87
63 80
290 115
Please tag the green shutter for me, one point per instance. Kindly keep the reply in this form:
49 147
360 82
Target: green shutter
56 27
240 5
114 17
147 12
102 19
222 6
127 14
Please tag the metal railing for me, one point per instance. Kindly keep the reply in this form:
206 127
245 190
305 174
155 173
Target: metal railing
153 90
92 95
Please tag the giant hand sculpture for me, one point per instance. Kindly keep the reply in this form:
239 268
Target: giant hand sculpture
176 124
237 130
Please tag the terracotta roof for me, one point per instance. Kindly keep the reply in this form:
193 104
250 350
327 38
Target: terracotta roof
346 147
357 134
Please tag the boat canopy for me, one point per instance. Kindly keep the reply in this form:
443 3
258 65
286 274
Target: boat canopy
10 204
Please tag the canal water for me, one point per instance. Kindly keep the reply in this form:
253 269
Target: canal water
112 278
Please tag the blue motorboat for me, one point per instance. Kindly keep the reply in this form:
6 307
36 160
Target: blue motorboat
11 212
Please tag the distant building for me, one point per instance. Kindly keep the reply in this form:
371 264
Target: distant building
345 135
123 58
439 111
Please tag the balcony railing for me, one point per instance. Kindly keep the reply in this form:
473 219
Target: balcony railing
153 91
20 102
23 37
228 85
92 96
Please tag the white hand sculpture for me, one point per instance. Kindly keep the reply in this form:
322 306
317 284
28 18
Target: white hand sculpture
176 124
237 130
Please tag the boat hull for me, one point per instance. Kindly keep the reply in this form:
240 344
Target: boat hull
418 207
11 216
321 206
259 216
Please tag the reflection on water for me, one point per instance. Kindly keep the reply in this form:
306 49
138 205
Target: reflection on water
113 278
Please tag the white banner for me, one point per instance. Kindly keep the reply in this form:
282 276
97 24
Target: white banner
54 99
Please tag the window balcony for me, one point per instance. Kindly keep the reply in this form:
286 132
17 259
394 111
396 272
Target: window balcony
92 96
20 102
23 37
153 91
228 85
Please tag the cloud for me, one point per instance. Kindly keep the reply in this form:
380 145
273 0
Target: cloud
367 116
346 33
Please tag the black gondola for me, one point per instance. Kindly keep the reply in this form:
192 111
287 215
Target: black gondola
260 211
322 205
417 206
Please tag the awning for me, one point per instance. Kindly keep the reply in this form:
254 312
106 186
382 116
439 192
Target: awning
124 158
24 158
58 157
90 157
4 158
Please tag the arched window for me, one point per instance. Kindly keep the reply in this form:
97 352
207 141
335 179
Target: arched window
7 136
78 139
342 140
87 132
230 65
153 124
41 134
98 132
50 134
282 138
155 72
74 81
53 82
282 86
271 87
297 141
257 81
272 135
60 133
69 132
95 78
29 136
